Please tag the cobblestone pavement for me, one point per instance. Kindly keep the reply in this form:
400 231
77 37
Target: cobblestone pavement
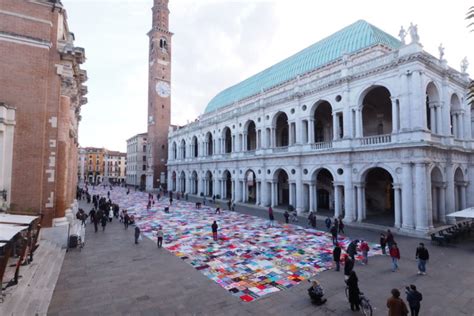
113 276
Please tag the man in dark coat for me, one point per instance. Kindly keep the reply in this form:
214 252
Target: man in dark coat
336 254
413 298
103 221
334 234
348 266
214 230
422 255
352 248
137 234
353 284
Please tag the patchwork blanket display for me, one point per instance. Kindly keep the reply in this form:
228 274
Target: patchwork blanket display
249 259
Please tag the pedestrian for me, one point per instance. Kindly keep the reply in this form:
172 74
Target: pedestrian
96 222
390 239
158 196
92 215
218 209
104 222
328 223
413 298
395 254
341 226
171 200
336 254
312 220
396 306
159 237
111 214
334 234
286 215
348 266
83 218
271 217
137 234
383 243
353 285
126 220
422 256
352 249
364 248
336 223
316 293
214 230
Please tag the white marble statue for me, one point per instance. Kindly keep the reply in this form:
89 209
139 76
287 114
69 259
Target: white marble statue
464 65
441 51
413 29
402 34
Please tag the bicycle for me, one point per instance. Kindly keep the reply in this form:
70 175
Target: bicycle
364 303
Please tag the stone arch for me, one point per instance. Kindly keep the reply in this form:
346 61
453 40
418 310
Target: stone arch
250 129
173 181
227 179
432 106
282 129
323 122
251 183
378 203
456 114
194 182
209 143
174 148
195 147
183 148
208 184
227 140
376 111
459 189
282 187
182 181
323 179
438 200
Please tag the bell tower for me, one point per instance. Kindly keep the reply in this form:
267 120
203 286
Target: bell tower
159 95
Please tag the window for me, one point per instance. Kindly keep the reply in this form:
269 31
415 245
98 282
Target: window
144 158
144 168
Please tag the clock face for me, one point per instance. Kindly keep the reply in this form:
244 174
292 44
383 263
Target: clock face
163 89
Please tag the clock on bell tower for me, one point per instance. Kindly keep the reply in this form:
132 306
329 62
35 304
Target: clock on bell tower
159 95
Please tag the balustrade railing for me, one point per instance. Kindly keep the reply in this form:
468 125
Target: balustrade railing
321 145
374 140
282 149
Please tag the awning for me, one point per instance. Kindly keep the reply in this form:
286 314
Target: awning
8 232
466 213
16 219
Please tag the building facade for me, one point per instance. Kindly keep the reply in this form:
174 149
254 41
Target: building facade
360 125
137 160
115 167
91 165
41 82
159 94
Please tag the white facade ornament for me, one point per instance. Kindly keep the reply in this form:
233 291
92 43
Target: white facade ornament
441 51
402 34
413 29
464 65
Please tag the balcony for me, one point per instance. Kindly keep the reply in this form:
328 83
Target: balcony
282 149
375 140
321 145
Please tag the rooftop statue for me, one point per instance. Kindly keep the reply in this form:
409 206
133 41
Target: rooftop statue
413 29
464 65
402 34
441 51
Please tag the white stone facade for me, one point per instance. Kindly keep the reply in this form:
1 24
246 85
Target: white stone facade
380 135
137 160
115 167
7 131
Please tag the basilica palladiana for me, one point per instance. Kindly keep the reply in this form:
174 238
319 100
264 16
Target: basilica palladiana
360 124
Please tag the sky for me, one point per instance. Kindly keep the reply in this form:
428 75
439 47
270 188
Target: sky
218 43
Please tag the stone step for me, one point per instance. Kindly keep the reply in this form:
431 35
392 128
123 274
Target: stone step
33 293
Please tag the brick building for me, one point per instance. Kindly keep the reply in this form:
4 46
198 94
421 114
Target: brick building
41 85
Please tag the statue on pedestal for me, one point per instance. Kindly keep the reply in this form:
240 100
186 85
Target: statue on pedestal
441 51
464 65
402 34
413 29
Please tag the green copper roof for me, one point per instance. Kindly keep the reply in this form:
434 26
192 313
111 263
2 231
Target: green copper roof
349 40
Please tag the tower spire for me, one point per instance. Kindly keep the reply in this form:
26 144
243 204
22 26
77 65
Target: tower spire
160 15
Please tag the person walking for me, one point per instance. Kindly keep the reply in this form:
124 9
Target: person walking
395 255
286 215
413 298
328 223
422 255
341 226
348 266
104 222
353 285
396 306
126 220
92 215
390 239
96 222
137 234
334 234
271 217
352 249
214 230
111 214
159 237
313 220
218 209
336 254
383 243
364 248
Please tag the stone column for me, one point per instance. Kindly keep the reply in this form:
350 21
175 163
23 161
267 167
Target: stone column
299 195
407 197
463 195
397 198
257 140
442 202
461 126
244 191
257 193
358 122
450 202
292 197
233 191
394 115
360 203
337 201
421 195
364 203
311 198
335 127
433 118
245 140
439 120
311 131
